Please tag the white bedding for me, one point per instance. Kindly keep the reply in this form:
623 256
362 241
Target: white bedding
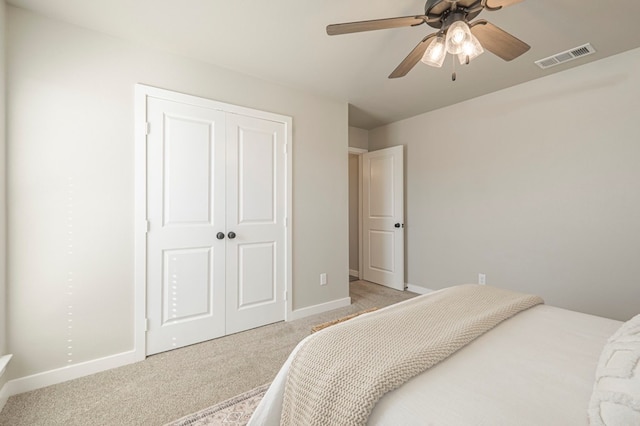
536 368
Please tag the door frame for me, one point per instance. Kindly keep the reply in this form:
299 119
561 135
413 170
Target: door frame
359 152
142 92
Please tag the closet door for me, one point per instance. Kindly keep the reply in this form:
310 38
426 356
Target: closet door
255 279
186 212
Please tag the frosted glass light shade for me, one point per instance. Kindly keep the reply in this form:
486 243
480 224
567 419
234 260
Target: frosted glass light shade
470 49
435 53
457 35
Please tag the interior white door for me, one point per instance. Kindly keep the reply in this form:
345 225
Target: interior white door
255 215
383 216
186 209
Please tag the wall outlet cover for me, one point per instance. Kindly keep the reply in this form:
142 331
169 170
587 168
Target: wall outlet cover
323 279
482 279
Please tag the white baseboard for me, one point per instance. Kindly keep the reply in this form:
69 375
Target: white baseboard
4 397
318 309
418 289
354 273
75 371
3 400
4 361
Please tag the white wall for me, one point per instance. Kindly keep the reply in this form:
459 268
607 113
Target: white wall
358 138
71 169
3 205
538 186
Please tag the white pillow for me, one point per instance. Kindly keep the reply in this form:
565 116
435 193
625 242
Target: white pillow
616 393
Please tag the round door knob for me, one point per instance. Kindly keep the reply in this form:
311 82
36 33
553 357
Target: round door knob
231 235
397 225
220 235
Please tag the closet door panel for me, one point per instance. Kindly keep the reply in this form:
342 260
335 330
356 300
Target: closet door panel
256 274
187 159
255 214
185 209
256 174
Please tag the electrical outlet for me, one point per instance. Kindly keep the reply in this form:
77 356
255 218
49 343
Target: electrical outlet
323 279
482 279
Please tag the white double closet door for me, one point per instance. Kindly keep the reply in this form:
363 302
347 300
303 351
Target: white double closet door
216 210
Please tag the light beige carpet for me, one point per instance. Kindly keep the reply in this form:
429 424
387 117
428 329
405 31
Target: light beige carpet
173 384
233 412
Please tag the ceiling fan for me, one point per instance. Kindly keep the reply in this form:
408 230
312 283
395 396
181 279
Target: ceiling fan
457 35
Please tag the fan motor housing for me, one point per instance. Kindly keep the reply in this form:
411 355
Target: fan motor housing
442 8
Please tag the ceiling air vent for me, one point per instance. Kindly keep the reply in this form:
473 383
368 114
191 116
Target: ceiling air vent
566 56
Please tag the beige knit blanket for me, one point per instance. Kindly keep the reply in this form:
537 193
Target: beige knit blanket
337 376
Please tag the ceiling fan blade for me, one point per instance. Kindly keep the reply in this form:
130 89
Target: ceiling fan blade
498 41
499 4
376 24
412 59
469 3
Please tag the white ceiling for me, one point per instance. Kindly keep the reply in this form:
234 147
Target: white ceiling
284 41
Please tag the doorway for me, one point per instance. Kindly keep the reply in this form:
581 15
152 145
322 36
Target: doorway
376 211
354 212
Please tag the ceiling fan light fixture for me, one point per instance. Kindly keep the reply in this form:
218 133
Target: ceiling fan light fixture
452 19
470 50
458 34
435 53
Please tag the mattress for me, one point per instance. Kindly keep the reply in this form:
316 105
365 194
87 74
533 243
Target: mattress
535 368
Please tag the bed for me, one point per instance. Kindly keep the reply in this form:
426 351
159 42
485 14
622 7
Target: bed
537 367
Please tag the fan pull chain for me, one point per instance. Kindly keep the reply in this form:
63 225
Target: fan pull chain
453 76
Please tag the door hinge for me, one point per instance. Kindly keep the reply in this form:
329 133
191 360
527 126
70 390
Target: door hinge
147 226
146 324
147 128
285 148
285 295
286 222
